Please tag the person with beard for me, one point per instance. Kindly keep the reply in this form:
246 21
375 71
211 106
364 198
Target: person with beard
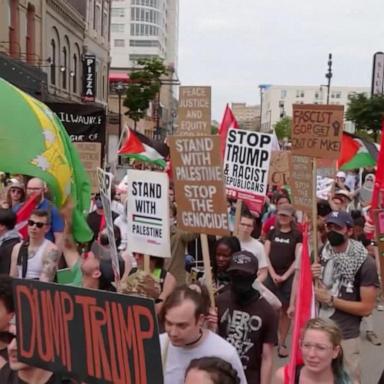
347 286
247 320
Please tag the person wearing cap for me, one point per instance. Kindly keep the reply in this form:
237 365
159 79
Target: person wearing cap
246 320
347 285
15 194
281 247
340 181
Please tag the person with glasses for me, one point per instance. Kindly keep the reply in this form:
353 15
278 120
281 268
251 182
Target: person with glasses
29 258
322 356
15 195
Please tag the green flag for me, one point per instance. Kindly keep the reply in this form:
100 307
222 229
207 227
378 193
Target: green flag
34 142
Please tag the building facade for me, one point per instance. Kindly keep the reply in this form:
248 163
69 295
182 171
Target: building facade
277 100
247 116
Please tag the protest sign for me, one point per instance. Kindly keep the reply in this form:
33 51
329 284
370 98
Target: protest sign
246 164
105 186
302 183
92 335
198 178
279 168
317 130
90 156
194 113
379 224
148 213
326 168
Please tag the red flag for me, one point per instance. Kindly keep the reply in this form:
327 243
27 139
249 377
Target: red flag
229 121
349 148
24 213
305 309
379 179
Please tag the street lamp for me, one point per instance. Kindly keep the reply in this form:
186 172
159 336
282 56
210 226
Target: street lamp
329 75
119 89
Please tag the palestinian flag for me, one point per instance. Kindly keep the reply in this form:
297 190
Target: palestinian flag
356 152
142 149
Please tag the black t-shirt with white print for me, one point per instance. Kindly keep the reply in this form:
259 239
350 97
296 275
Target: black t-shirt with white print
247 327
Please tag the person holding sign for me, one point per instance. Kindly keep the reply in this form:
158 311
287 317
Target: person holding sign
281 247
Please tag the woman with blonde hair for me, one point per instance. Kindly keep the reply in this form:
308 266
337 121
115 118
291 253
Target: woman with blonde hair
322 356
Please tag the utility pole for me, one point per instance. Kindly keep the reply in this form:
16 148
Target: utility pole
329 75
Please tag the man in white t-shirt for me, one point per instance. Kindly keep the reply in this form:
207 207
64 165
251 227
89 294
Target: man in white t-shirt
183 314
248 243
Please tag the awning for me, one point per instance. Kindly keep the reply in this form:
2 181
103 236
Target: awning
118 76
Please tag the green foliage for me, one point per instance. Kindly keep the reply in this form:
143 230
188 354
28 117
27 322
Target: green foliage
283 128
367 114
143 87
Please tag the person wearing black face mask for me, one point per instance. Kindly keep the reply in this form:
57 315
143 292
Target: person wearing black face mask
247 320
347 285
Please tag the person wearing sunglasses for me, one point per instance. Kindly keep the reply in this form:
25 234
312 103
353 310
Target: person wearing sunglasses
29 257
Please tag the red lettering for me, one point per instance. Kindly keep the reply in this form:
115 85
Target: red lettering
43 331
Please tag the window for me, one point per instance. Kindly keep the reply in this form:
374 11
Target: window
119 43
144 43
53 62
104 21
118 12
299 93
74 74
118 28
63 69
141 57
283 93
30 38
97 22
14 29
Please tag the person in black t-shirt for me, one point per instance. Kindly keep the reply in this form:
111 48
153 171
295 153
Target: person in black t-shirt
6 311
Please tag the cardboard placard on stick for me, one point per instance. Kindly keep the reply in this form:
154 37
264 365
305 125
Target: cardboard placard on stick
194 112
279 168
199 185
317 130
302 183
148 213
326 168
92 335
246 164
379 223
105 185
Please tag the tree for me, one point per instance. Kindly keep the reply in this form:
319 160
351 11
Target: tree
143 87
367 114
283 128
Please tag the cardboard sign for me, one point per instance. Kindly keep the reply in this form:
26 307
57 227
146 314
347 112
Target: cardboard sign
317 130
379 224
105 186
92 335
90 156
194 113
148 213
246 164
279 168
302 183
199 186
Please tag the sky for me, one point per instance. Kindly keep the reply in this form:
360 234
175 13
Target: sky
236 45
